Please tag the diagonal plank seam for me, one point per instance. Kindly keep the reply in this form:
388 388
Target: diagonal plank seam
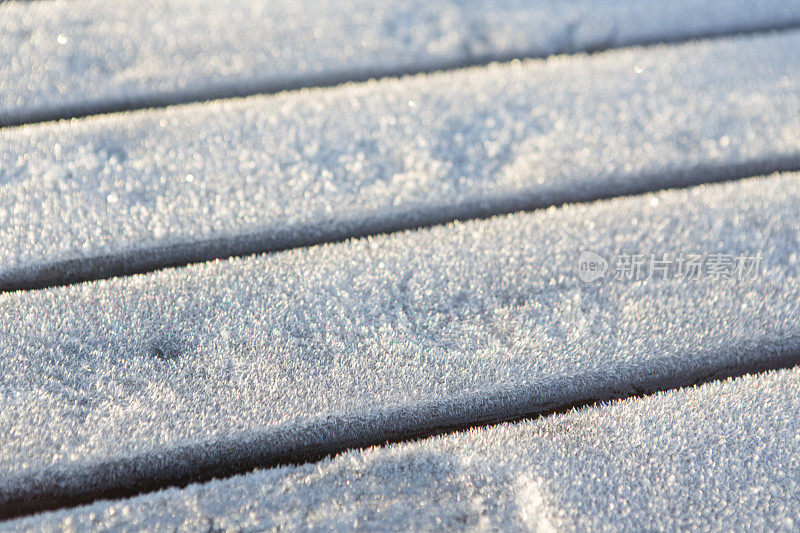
161 101
92 268
182 466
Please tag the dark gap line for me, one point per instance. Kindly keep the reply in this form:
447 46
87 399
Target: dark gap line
52 490
770 356
358 75
270 240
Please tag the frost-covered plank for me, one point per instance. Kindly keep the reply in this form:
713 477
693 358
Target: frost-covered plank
64 58
214 367
134 192
724 456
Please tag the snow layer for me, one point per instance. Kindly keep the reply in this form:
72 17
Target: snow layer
231 363
63 58
724 456
133 192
